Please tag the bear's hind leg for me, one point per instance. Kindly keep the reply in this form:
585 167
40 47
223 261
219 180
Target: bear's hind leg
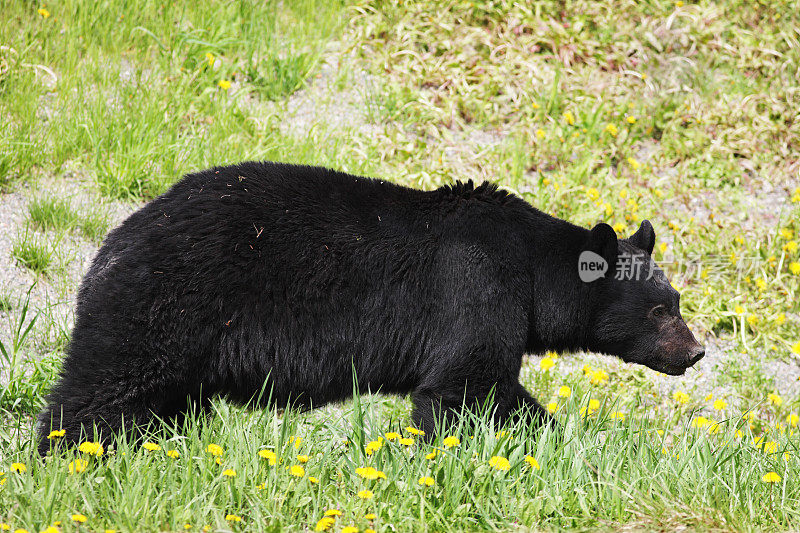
97 418
105 407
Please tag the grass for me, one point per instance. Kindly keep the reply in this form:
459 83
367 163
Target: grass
683 113
602 470
58 214
34 252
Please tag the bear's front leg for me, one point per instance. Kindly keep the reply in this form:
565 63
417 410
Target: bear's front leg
439 406
526 408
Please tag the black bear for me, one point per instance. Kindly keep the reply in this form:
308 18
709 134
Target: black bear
294 277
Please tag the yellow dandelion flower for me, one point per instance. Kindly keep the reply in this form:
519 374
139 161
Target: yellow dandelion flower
540 133
415 431
796 349
499 463
214 449
373 446
619 227
426 481
786 233
532 462
77 466
790 246
229 472
592 193
365 494
631 119
91 448
350 529
752 319
233 518
57 434
794 267
370 516
43 12
634 163
210 59
324 524
269 455
407 441
552 407
771 477
774 399
792 419
680 397
714 427
19 467
700 422
739 310
224 84
79 518
534 105
770 447
50 529
303 458
599 377
611 129
546 364
451 441
297 441
586 369
392 436
616 415
297 471
151 446
4 526
173 454
569 118
369 472
594 404
564 391
720 404
333 512
432 455
312 479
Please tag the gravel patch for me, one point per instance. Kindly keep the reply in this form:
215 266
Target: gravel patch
52 297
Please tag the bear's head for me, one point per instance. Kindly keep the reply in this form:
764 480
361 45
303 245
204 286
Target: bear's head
636 311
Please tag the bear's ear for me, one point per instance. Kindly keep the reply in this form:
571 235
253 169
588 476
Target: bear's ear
603 241
644 238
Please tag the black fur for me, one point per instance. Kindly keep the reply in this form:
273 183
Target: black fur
297 275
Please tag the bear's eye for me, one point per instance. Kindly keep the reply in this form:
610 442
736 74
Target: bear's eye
658 311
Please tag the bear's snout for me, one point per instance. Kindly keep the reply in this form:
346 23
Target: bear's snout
696 354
